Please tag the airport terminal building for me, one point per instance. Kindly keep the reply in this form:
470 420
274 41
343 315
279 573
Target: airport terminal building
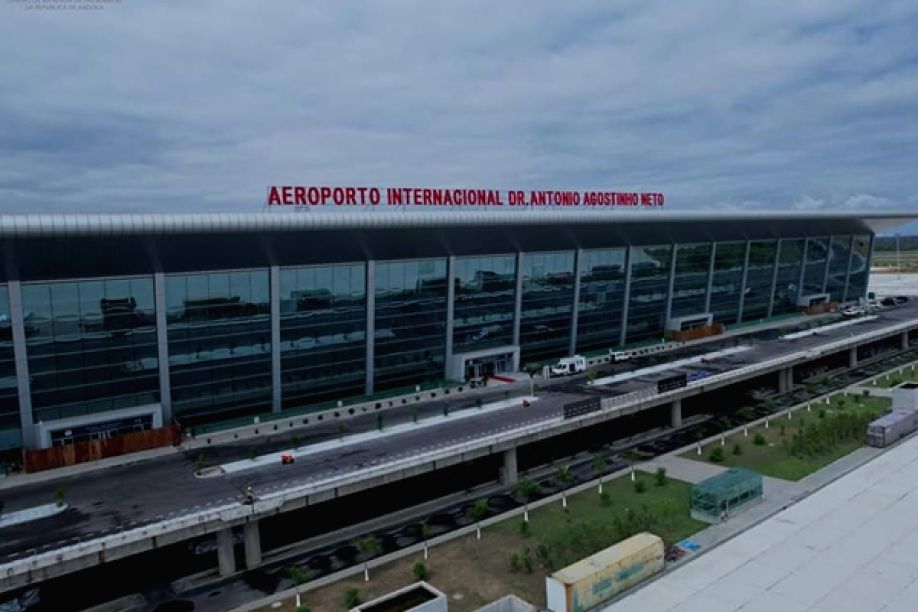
112 323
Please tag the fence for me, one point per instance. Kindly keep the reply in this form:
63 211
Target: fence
91 450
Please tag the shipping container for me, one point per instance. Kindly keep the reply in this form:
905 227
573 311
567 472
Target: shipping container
596 579
892 427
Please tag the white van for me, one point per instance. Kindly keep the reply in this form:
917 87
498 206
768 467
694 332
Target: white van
569 365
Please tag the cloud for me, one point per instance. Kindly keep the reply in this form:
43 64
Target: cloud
174 106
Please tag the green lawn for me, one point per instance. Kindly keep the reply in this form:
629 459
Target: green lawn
909 374
772 458
588 525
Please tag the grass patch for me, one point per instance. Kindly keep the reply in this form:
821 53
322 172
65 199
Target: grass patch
908 374
510 560
773 458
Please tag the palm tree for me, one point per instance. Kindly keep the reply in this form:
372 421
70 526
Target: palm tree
369 547
599 466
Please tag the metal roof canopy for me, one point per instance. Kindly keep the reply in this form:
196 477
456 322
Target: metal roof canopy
42 247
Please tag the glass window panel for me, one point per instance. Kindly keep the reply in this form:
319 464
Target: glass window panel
547 303
814 275
602 295
485 290
690 285
649 286
860 259
838 267
759 279
787 286
98 350
10 431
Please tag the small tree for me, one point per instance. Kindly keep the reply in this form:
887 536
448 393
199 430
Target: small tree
659 476
527 488
640 486
369 547
199 462
600 464
759 440
476 512
564 475
717 455
351 598
591 376
525 529
253 454
59 497
420 571
604 499
738 449
514 562
414 416
299 576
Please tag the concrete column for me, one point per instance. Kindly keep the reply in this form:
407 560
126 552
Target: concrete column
162 346
508 473
667 313
371 325
578 255
806 248
904 344
774 278
675 414
848 269
21 362
623 338
450 310
707 294
825 273
785 379
252 538
226 556
518 300
852 357
742 295
276 382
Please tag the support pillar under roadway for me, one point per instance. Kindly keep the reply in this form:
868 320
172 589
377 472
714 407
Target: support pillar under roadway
226 556
675 414
508 474
785 379
904 341
852 357
252 537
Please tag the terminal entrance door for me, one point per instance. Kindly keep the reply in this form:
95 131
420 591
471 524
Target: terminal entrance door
482 367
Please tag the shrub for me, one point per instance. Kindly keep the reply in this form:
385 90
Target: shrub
527 561
351 598
563 474
781 430
59 497
527 488
822 413
659 477
866 392
604 499
478 510
717 455
514 562
253 454
420 571
199 463
639 486
759 440
525 529
747 413
414 416
600 464
737 449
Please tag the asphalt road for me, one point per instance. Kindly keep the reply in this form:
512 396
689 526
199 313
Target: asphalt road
109 500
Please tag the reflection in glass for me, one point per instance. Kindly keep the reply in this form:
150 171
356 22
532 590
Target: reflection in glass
649 287
10 433
690 285
548 294
602 296
91 346
323 320
219 333
838 267
410 320
759 277
726 285
485 298
814 274
860 260
787 289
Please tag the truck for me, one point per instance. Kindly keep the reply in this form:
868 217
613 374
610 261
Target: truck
569 365
891 428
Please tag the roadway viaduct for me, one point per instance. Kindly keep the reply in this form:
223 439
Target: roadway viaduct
122 511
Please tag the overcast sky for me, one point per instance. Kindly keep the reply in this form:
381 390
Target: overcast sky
198 106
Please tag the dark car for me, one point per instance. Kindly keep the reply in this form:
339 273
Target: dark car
888 301
901 299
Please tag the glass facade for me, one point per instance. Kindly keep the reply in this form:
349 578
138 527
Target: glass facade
548 295
787 285
690 285
323 323
410 322
860 267
649 286
759 277
10 433
727 281
814 274
219 332
91 346
602 298
838 267
485 298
